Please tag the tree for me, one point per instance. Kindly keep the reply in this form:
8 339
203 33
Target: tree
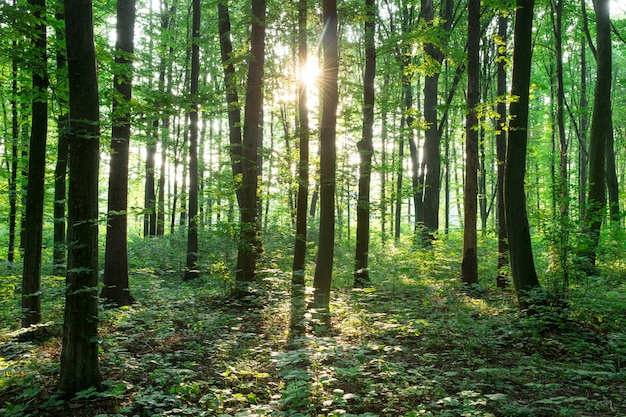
15 133
32 237
503 245
191 269
248 234
601 127
366 149
116 288
328 156
303 163
583 122
232 95
432 135
80 368
516 218
469 265
244 147
60 170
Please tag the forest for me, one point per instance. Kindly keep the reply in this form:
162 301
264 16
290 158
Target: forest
336 208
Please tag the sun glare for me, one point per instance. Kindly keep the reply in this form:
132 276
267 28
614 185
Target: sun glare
309 74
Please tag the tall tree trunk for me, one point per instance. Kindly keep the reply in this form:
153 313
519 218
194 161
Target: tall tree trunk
563 185
60 170
150 196
366 149
582 138
432 135
232 98
299 255
328 156
80 368
409 133
503 245
15 144
116 289
469 265
600 129
33 232
191 268
516 218
248 234
383 162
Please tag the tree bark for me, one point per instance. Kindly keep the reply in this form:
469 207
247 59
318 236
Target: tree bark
248 234
432 135
503 245
516 218
33 232
15 143
366 150
612 184
582 138
303 163
60 170
601 127
116 288
328 156
232 97
469 265
563 182
80 367
191 268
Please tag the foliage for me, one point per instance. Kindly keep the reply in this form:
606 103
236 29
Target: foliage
415 344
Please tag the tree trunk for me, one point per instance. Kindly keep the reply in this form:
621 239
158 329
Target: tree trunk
503 245
15 143
600 129
248 234
232 98
582 139
116 289
563 185
80 368
191 268
366 149
328 156
60 170
149 218
432 135
611 177
399 184
33 232
299 255
516 218
469 265
160 222
383 161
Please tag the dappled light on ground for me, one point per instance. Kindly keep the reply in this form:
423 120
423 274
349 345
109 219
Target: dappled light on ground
415 344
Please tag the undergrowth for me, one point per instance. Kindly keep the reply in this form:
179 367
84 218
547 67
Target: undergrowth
416 343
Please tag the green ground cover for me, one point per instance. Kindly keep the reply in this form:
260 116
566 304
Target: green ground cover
416 344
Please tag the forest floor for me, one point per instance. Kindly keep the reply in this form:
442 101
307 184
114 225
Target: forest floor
415 344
